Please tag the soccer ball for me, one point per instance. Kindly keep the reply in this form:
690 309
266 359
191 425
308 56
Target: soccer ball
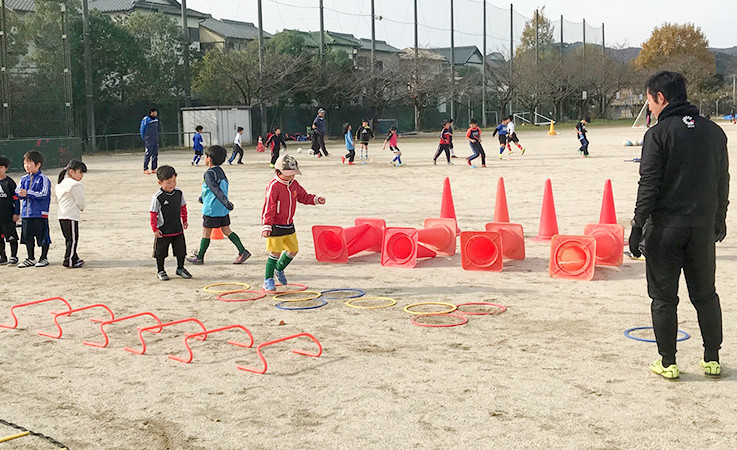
310 152
638 143
299 150
627 143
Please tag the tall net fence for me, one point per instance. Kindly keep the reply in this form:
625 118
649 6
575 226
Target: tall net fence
35 81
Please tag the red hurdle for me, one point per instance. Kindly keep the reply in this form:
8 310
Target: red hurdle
120 319
70 312
20 305
298 352
160 327
205 333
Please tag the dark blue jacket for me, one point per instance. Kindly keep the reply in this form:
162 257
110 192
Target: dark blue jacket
150 131
320 127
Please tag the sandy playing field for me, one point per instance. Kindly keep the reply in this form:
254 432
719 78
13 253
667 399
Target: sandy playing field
555 370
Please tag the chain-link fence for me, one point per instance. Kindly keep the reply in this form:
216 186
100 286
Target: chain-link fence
35 62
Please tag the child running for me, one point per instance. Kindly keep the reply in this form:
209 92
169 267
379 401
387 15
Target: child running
237 147
71 202
168 222
349 146
581 132
197 145
276 142
512 136
474 139
216 207
444 145
277 217
391 139
9 214
34 192
502 130
364 134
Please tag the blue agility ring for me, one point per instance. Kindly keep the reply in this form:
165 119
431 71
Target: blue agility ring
360 293
627 333
279 305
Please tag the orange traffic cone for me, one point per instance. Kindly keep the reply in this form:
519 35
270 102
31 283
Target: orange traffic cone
501 213
216 233
608 215
260 146
548 221
447 210
552 132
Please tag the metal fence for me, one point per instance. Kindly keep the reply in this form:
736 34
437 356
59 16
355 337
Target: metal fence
35 71
122 142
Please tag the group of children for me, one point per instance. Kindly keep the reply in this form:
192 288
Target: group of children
29 202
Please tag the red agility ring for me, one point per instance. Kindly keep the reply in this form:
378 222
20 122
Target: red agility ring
501 309
259 294
464 320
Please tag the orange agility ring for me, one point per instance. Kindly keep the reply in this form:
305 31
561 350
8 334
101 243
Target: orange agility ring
258 295
463 321
498 309
451 308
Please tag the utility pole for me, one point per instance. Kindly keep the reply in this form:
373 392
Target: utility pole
4 82
603 41
185 55
373 37
560 108
88 92
483 76
417 72
261 101
734 91
511 52
452 63
584 45
322 38
537 61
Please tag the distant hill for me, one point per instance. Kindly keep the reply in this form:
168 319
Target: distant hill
726 58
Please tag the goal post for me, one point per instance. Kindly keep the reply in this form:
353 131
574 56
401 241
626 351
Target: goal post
641 119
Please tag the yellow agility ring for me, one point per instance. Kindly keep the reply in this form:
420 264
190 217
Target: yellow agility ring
208 288
312 295
350 304
451 308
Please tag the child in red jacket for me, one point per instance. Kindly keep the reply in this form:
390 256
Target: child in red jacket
282 195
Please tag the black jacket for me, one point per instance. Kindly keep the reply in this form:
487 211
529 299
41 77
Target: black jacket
684 172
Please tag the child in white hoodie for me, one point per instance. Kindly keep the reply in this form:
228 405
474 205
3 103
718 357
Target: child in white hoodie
70 198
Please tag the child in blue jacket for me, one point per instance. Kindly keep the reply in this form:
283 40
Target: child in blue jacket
34 192
215 206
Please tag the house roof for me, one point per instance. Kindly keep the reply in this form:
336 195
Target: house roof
461 55
381 46
19 5
126 6
232 28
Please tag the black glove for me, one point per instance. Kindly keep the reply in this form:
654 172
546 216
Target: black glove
634 241
230 206
720 230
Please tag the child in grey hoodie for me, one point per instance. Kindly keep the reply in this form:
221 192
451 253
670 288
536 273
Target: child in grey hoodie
70 198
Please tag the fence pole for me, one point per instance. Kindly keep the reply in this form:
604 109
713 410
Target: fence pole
511 51
67 71
88 92
452 63
185 55
4 80
483 76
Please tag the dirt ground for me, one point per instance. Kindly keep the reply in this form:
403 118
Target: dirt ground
555 370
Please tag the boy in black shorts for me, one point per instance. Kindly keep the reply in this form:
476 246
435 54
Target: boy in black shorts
168 222
216 207
9 214
34 192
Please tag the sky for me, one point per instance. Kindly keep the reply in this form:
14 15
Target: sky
627 23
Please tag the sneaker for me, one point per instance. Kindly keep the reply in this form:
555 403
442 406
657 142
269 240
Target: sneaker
27 263
435 162
468 161
403 163
271 166
269 285
78 264
319 155
483 165
342 159
711 368
453 156
163 276
195 259
501 156
280 276
230 163
523 151
327 154
450 163
184 273
3 260
43 262
13 260
242 257
669 373
472 166
351 163
192 163
239 162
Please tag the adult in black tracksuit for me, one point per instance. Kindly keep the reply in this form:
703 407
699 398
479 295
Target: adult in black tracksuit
683 189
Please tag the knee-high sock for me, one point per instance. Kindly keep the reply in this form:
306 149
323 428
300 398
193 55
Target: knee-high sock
284 261
204 243
237 241
270 266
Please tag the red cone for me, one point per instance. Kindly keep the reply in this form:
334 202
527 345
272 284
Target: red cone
447 210
548 221
608 215
501 213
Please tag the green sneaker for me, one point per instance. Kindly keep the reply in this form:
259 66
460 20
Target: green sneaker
669 373
711 368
